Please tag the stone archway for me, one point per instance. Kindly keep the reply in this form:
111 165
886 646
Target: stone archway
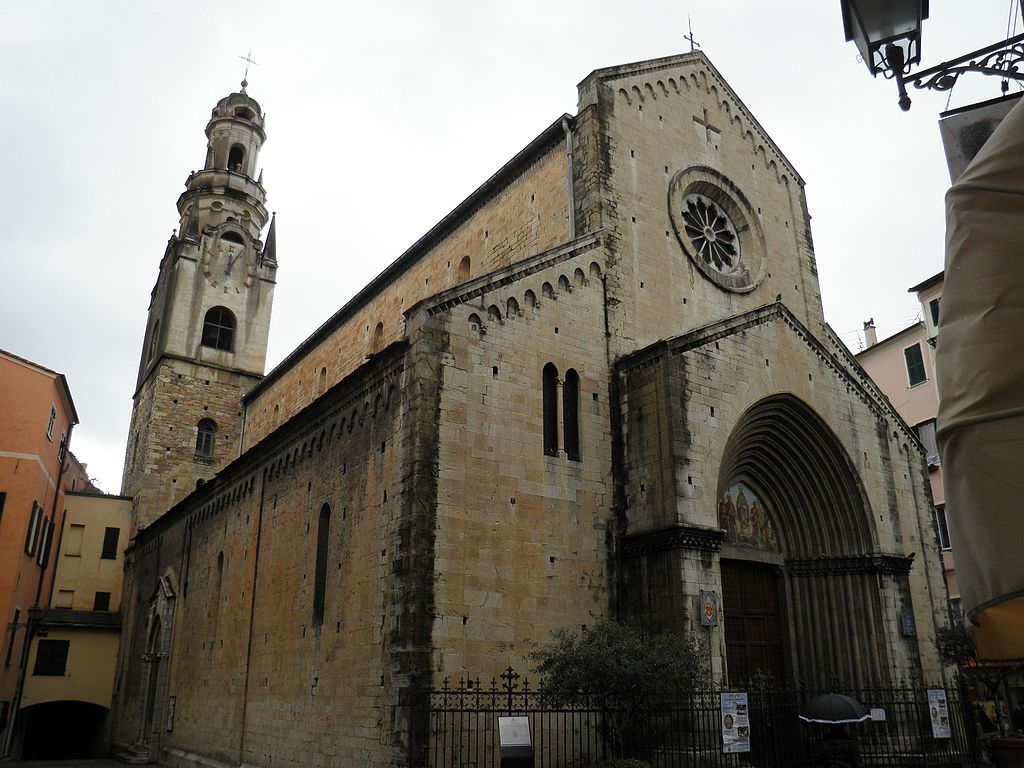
831 578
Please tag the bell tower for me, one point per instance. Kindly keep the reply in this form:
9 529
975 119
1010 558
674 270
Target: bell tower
209 319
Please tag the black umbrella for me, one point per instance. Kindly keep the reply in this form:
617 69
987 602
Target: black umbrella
833 708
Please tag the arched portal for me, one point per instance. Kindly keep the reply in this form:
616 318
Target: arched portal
154 668
802 577
79 737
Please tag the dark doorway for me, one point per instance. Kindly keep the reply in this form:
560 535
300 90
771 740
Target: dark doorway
753 627
63 730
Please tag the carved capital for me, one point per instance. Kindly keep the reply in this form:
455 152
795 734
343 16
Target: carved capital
874 563
672 537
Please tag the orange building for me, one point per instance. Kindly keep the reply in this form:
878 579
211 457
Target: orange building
37 415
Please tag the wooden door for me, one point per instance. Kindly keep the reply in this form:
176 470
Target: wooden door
753 626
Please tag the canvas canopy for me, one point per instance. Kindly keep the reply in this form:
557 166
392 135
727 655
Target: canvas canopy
980 372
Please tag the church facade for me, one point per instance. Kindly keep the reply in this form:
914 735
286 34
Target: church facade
602 385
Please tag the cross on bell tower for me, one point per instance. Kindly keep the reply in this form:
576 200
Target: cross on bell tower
248 60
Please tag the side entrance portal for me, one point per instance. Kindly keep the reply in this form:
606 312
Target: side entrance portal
753 626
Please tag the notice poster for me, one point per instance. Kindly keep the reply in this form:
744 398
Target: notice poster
939 713
735 723
514 731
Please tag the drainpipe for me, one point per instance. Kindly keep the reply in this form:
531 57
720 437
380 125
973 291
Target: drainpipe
568 177
19 686
53 513
252 616
12 725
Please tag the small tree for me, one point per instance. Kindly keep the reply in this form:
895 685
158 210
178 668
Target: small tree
622 672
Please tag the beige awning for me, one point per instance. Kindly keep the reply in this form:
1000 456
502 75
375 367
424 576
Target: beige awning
980 371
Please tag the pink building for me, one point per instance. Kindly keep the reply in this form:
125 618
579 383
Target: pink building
903 367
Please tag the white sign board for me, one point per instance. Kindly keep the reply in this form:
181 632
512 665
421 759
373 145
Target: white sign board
939 713
735 723
878 714
514 731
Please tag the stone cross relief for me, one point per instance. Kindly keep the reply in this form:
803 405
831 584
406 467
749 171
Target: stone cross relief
712 133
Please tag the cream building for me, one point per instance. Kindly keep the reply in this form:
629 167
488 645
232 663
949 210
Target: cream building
72 658
601 385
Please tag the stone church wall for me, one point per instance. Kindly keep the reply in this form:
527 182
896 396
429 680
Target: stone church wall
255 675
525 215
522 537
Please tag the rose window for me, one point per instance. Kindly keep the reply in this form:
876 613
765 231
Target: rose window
711 233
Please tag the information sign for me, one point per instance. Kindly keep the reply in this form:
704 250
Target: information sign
735 723
939 713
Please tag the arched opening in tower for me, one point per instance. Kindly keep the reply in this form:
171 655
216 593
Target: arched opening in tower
235 158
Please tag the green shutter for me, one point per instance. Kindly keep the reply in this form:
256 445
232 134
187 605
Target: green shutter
915 365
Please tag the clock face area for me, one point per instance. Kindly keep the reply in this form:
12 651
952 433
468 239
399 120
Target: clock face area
225 262
717 228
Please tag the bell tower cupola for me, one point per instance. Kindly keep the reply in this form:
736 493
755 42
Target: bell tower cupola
234 137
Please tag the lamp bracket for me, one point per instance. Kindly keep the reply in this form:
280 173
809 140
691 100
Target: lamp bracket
1004 59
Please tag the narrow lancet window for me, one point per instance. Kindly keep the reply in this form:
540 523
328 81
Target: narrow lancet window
550 410
571 414
320 575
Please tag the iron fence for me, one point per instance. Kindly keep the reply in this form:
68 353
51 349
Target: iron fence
461 728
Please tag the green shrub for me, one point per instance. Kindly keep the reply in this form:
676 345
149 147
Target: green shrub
621 671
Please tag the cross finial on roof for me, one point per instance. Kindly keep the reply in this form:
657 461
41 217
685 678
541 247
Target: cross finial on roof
694 45
248 60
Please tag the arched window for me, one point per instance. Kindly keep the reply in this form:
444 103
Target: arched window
153 339
571 414
206 436
232 237
235 158
323 379
320 574
550 410
464 267
378 338
219 329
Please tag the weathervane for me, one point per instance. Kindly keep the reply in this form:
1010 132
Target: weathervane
694 45
248 60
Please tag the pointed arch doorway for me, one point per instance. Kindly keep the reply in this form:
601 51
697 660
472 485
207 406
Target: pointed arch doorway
800 591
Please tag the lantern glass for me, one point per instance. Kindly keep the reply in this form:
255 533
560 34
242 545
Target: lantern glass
874 24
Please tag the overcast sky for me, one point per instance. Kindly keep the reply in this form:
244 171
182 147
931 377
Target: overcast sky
381 118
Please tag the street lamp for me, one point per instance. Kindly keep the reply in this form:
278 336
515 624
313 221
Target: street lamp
888 35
